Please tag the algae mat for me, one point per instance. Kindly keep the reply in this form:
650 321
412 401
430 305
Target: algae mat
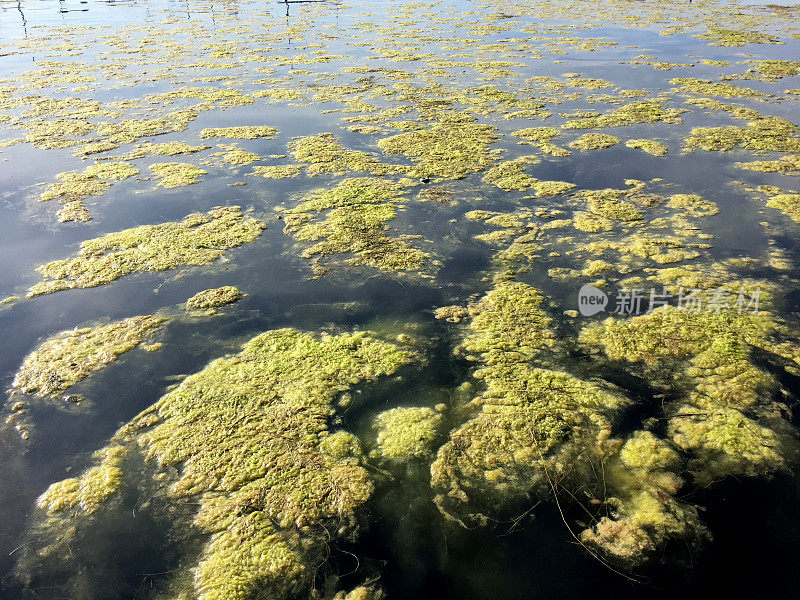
442 300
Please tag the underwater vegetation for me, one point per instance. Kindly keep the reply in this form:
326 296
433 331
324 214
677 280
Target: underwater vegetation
199 239
66 358
436 170
247 442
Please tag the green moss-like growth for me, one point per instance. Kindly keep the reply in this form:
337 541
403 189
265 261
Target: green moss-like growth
212 298
694 205
787 203
199 239
237 156
70 356
446 150
92 489
278 171
529 424
246 440
645 111
323 153
164 149
249 132
707 355
406 433
762 133
705 87
510 175
76 186
358 210
649 146
787 165
591 223
594 141
736 38
610 204
173 174
778 68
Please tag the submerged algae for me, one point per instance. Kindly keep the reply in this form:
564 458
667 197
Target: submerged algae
649 146
594 141
406 433
212 298
199 239
529 425
73 355
250 440
445 150
173 174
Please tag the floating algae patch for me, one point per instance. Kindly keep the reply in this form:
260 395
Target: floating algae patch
789 204
247 132
762 133
76 186
237 156
445 150
213 298
610 203
777 69
278 171
174 174
199 239
647 112
323 153
510 175
247 442
704 358
594 141
786 165
68 357
164 149
704 87
644 514
405 434
649 146
736 38
693 204
529 424
358 210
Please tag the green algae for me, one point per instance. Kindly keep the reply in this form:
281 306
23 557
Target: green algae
526 425
323 153
247 132
704 87
649 146
510 174
736 38
164 149
92 489
609 203
787 165
213 298
199 239
694 205
237 156
174 174
594 141
789 204
405 434
349 192
445 150
250 431
777 69
71 356
648 112
278 171
708 355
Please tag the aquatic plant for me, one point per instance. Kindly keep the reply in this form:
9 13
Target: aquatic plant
212 298
649 146
70 356
323 153
249 438
405 434
173 174
594 141
199 239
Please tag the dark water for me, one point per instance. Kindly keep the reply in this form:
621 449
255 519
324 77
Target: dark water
755 524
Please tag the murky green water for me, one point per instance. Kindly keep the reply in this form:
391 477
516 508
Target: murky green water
410 156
